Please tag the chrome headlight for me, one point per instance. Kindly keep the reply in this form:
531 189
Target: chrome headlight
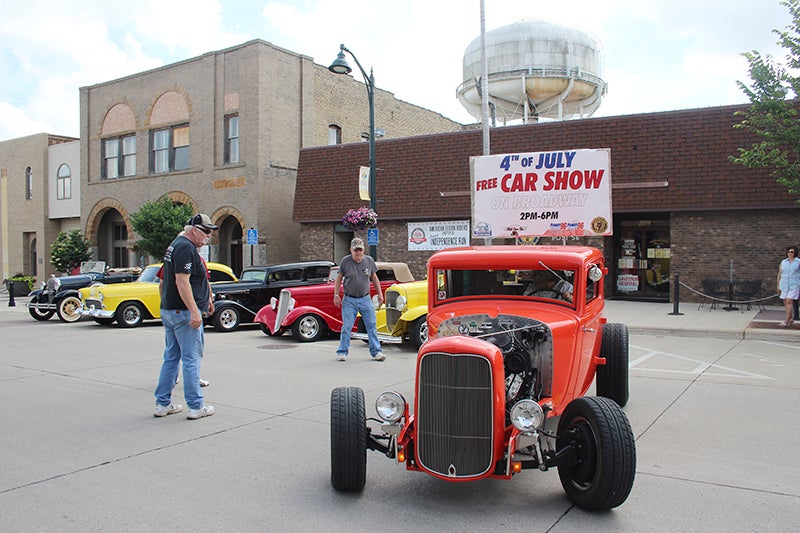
273 303
390 406
375 303
527 415
401 303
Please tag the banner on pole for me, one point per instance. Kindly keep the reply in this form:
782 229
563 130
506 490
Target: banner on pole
544 194
363 183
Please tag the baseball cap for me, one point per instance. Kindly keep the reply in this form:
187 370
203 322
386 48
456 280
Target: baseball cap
357 244
202 220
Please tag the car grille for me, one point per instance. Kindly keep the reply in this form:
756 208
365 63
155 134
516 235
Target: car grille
392 313
90 303
454 414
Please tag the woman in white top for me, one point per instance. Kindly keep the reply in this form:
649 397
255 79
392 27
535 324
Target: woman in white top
789 283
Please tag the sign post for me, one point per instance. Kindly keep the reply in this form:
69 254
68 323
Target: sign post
252 240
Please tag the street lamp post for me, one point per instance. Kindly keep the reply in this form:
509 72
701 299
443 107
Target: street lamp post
340 66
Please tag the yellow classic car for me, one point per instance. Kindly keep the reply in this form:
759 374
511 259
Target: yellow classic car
130 303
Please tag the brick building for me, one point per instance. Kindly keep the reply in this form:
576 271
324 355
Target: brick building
39 197
222 131
679 205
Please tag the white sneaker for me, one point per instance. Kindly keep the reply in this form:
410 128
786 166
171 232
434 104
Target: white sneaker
379 357
164 410
194 414
204 383
342 358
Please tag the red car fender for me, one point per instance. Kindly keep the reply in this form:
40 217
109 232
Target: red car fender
266 316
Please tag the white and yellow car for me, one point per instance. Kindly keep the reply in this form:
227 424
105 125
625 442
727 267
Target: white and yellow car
131 303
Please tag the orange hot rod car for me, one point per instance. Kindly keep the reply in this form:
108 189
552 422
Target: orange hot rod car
516 338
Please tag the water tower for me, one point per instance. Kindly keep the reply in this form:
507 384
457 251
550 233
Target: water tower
536 69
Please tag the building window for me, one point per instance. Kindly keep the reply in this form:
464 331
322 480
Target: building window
28 184
170 149
119 157
63 183
231 139
334 134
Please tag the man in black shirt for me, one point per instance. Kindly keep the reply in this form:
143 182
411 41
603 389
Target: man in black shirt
185 296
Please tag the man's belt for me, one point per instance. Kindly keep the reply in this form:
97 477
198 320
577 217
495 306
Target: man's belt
354 296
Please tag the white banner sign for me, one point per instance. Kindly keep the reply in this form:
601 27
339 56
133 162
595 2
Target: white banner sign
437 235
363 183
552 194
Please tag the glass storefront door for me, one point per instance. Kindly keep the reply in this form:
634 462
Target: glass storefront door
642 255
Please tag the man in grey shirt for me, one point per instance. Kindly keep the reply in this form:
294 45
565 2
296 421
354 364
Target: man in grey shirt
357 270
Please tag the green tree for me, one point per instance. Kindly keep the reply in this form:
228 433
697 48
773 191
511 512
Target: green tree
158 223
69 250
772 115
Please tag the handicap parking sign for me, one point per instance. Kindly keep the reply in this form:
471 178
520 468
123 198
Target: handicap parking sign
252 236
372 237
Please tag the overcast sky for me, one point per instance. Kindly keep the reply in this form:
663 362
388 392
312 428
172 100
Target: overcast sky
659 55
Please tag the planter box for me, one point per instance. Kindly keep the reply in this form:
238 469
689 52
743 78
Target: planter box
20 288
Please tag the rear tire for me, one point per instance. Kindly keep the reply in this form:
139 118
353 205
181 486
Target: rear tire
612 377
348 439
130 314
226 319
601 475
69 309
308 328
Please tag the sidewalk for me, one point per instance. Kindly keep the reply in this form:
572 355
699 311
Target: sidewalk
657 318
648 318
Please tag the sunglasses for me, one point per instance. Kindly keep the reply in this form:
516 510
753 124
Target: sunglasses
359 249
204 230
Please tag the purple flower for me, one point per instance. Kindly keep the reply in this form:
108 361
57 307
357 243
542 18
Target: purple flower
360 218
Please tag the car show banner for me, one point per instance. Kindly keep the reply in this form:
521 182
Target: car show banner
545 194
437 235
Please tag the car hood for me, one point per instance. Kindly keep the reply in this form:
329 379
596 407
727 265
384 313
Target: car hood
134 287
77 281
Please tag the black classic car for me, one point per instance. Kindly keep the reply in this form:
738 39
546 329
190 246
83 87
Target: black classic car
60 295
237 302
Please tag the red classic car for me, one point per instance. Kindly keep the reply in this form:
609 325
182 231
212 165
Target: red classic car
516 338
309 311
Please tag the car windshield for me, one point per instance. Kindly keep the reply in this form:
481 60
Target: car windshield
97 267
149 274
544 283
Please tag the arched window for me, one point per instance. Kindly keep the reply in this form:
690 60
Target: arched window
64 183
28 184
334 134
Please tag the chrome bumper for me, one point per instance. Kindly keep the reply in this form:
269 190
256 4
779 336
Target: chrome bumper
96 313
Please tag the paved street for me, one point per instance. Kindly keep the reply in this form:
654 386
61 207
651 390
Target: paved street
714 414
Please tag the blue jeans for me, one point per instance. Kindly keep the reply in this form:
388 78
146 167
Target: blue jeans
184 344
351 307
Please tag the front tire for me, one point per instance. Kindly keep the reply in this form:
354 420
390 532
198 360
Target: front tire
348 439
39 314
69 309
130 314
418 333
601 475
308 328
612 377
226 319
103 321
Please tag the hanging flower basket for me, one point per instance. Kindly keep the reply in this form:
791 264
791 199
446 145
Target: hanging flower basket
359 219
